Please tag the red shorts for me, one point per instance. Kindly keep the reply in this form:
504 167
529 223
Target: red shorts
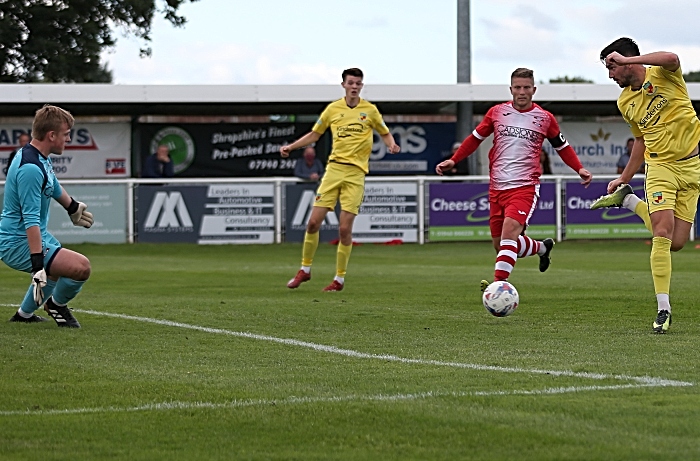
518 203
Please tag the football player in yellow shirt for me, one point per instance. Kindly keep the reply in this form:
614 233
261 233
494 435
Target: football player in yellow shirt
655 103
352 121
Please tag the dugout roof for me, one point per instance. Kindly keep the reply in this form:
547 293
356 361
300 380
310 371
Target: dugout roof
19 100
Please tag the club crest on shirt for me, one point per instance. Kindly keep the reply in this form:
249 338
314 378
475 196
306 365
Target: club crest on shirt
649 88
363 116
658 198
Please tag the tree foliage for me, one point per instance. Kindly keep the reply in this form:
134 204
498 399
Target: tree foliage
567 79
692 76
61 40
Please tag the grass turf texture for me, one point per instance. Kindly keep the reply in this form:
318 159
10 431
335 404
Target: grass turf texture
102 392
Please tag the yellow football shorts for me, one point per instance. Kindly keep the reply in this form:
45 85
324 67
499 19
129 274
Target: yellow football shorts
674 186
344 182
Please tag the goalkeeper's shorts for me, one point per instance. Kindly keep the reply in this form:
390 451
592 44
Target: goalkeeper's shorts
16 254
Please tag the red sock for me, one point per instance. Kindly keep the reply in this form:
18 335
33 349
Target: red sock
507 255
527 246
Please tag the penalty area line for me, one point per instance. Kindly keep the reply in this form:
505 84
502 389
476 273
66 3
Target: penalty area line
235 404
643 380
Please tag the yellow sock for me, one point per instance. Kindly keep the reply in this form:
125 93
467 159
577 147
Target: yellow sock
343 258
661 264
310 246
642 211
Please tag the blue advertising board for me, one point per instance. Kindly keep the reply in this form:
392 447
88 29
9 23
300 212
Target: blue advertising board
423 146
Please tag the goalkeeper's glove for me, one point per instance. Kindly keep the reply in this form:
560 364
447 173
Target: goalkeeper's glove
78 214
38 277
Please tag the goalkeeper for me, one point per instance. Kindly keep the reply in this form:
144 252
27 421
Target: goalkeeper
57 274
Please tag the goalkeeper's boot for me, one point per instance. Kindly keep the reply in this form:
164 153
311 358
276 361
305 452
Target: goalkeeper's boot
484 285
298 279
33 319
334 286
613 200
61 314
662 322
545 259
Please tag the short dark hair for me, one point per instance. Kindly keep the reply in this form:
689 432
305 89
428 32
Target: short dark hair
624 45
353 71
523 72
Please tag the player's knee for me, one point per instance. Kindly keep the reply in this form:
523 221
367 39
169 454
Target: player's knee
345 231
313 226
677 246
82 270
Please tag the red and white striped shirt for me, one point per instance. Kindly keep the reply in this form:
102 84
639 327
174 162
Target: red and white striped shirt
514 159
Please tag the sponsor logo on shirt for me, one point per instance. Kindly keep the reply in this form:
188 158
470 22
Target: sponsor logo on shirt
655 107
518 132
348 130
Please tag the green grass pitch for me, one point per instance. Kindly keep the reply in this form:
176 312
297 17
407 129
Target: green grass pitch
201 352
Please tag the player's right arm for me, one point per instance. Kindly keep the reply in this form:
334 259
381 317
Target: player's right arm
30 180
665 59
309 138
469 145
29 183
312 136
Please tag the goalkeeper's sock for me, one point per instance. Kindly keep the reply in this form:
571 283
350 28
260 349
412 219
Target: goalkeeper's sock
28 306
66 290
309 250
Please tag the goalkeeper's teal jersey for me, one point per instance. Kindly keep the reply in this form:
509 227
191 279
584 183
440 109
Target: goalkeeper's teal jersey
29 188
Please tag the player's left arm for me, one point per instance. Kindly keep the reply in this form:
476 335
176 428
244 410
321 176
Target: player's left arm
391 145
76 210
377 122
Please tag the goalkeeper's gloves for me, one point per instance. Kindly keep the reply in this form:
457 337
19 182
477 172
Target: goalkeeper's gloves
38 277
78 214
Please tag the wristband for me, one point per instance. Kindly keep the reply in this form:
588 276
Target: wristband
73 207
37 261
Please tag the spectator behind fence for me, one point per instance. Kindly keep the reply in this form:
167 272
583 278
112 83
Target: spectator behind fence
309 167
452 171
24 139
624 158
159 165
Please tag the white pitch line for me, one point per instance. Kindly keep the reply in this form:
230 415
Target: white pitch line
163 406
646 380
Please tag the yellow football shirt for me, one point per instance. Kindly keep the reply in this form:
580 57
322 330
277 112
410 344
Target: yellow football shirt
351 128
662 113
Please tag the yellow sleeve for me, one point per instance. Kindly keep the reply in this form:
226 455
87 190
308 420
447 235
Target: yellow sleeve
676 77
323 122
378 122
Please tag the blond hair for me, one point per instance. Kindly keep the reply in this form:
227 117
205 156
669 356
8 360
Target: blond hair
50 118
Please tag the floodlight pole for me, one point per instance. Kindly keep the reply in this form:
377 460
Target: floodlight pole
465 112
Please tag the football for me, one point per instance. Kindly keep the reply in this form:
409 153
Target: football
501 298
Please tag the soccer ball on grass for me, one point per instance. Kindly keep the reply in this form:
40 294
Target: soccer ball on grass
501 298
